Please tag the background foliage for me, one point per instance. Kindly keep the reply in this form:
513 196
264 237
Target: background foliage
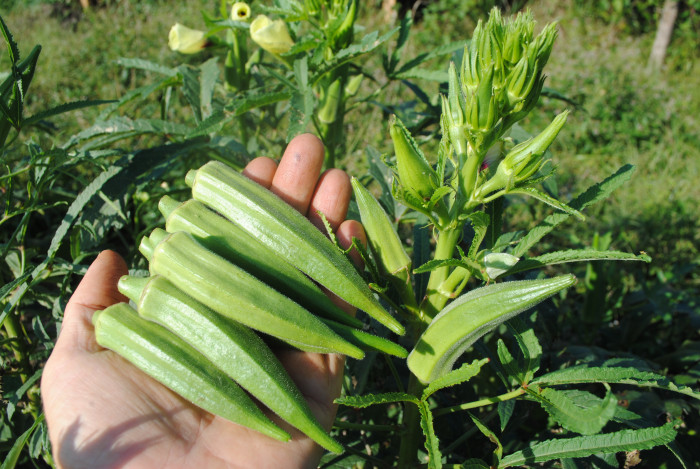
623 112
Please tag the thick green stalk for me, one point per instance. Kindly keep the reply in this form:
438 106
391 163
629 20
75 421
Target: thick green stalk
447 241
411 438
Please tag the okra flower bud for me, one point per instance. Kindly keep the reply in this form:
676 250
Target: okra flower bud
416 175
341 31
524 159
186 40
240 11
272 36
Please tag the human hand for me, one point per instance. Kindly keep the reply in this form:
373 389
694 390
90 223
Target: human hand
102 412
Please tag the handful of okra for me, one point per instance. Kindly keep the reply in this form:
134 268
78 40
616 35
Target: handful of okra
236 264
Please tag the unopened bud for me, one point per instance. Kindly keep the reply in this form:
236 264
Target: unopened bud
186 40
415 173
272 36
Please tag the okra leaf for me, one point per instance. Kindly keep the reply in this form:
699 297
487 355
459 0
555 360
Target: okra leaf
486 431
62 108
505 412
593 194
255 98
529 347
374 399
575 255
211 125
466 263
209 72
513 373
432 444
619 375
421 58
547 199
191 89
587 417
12 456
454 377
480 225
392 61
582 446
147 66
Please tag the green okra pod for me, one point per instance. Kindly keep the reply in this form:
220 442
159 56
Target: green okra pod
233 348
471 316
277 225
171 361
227 239
231 291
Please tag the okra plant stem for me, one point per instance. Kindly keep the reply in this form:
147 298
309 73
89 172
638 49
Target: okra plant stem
447 241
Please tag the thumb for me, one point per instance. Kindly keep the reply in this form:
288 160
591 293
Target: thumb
97 290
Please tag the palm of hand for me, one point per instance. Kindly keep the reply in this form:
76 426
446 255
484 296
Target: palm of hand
103 412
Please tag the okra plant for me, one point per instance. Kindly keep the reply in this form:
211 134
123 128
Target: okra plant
443 292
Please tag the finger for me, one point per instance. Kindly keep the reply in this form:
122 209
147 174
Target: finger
298 171
261 170
97 290
331 198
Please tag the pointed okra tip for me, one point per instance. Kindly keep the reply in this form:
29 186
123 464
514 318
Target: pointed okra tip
167 205
132 287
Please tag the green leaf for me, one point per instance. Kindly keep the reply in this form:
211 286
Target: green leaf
433 264
620 375
147 66
191 88
513 373
593 194
211 125
404 32
374 399
480 224
209 72
255 98
421 58
486 431
529 347
582 446
432 444
67 107
575 255
586 418
542 197
13 455
460 375
505 412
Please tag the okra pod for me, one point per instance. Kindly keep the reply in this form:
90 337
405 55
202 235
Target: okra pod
233 348
227 239
277 225
471 316
231 291
171 361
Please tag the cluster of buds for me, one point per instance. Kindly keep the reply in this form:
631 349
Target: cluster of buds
499 81
337 20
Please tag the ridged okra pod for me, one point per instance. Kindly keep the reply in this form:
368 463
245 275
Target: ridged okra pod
471 316
230 241
171 361
233 292
277 225
235 349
